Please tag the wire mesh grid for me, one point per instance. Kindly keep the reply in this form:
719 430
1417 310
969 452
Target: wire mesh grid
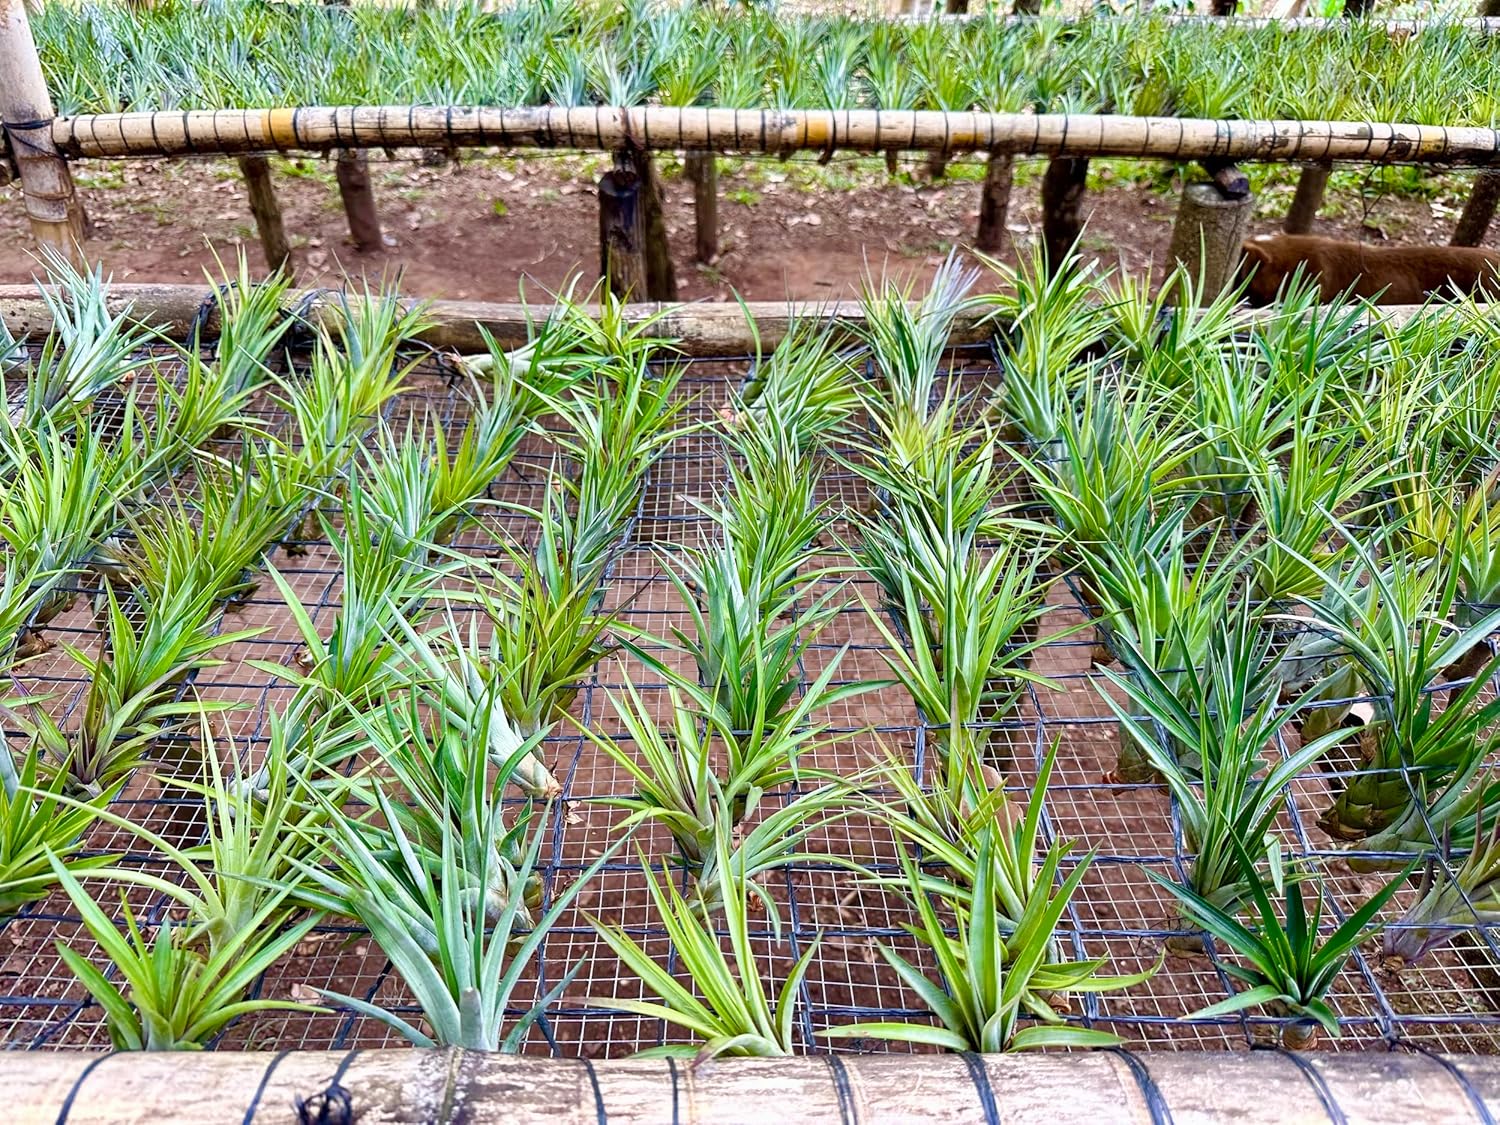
1450 1002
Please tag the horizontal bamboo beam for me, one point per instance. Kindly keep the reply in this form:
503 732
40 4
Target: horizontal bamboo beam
700 329
390 1086
605 128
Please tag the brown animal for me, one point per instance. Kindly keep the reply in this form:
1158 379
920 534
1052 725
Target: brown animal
1387 275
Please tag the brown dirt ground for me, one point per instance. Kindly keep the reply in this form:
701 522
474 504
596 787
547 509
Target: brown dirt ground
494 225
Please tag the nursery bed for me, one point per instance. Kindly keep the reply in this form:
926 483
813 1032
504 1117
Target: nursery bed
1450 1003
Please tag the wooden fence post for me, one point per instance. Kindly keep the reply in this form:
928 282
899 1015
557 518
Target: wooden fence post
661 278
994 202
703 170
620 230
26 116
1063 187
1311 186
1207 237
267 211
352 168
1479 209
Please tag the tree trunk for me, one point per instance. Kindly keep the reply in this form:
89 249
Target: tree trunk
1354 9
661 279
1474 223
1063 187
353 171
703 170
621 261
956 7
26 110
267 211
1225 7
1207 237
994 202
1489 9
1309 198
937 164
1027 7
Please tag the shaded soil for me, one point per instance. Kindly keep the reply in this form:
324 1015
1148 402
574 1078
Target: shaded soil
494 225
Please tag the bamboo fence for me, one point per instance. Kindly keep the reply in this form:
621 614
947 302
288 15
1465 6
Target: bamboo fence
607 128
390 1086
697 329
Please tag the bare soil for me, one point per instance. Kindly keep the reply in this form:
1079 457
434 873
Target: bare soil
494 226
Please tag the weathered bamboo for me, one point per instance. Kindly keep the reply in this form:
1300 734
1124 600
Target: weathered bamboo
267 212
604 128
622 262
376 1087
26 118
699 329
352 169
1207 236
1479 210
703 170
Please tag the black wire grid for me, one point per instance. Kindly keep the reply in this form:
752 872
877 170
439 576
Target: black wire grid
1449 1002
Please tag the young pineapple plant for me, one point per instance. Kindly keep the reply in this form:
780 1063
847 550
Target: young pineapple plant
1400 634
989 918
1222 716
1288 959
1455 894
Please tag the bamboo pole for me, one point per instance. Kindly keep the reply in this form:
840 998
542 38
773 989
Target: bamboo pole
706 329
26 118
384 1087
267 212
604 128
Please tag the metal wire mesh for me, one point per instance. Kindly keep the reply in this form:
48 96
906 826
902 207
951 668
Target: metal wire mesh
1451 1002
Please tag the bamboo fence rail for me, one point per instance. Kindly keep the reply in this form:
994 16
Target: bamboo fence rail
606 128
699 329
389 1086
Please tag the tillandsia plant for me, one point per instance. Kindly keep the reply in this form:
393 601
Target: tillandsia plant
39 825
175 998
460 951
1289 962
1108 474
1221 715
995 979
726 1006
245 875
1400 636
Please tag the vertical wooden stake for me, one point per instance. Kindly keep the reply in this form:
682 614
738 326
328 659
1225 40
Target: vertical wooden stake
1311 186
1479 210
994 202
1063 187
661 279
703 170
267 211
26 113
1207 237
353 172
620 230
